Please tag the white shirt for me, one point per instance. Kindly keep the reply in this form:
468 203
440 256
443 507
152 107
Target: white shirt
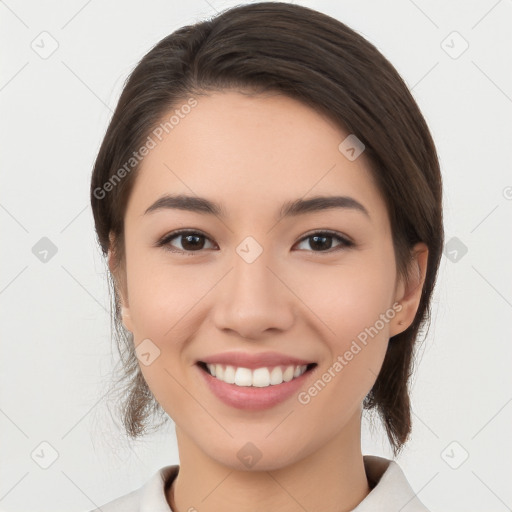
390 491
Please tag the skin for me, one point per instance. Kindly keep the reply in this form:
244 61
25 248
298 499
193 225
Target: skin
252 154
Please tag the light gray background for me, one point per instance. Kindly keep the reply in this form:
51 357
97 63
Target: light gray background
56 345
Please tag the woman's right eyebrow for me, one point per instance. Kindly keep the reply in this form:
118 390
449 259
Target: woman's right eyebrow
289 209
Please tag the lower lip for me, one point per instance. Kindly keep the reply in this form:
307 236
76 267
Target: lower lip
250 397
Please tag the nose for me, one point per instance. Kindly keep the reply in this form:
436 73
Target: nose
254 300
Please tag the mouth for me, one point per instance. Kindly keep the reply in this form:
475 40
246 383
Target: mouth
266 376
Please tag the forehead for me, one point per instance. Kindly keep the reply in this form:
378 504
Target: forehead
251 154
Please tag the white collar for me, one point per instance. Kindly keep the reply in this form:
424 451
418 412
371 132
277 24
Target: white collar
391 491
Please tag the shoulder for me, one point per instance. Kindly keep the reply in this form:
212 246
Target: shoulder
148 498
391 490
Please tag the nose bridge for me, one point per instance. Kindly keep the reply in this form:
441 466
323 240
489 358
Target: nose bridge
254 299
251 274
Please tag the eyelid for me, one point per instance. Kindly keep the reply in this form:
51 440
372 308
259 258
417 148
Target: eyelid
335 234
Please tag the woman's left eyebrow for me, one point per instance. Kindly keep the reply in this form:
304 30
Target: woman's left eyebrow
289 209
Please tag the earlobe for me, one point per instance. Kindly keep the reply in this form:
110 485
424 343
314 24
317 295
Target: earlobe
112 265
409 294
125 316
125 310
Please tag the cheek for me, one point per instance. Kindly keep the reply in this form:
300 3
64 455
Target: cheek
351 297
161 296
163 301
357 340
162 311
353 303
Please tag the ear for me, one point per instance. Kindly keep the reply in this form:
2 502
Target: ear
409 294
120 284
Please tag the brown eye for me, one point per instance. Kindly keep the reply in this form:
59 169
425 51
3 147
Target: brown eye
322 241
188 241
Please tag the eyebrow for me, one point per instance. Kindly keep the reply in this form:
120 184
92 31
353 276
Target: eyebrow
289 209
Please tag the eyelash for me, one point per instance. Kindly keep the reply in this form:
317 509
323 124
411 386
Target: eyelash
165 241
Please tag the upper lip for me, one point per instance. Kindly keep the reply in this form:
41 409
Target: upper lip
253 361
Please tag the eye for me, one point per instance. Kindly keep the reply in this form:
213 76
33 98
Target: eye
322 240
191 241
194 241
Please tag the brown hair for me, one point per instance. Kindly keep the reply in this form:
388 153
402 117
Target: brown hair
316 59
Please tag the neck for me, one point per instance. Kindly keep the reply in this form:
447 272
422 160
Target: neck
332 478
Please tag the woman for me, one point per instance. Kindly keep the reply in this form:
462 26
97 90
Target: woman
269 199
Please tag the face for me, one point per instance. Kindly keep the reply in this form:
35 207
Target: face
244 279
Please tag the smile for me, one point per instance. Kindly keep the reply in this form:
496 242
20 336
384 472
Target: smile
258 377
256 389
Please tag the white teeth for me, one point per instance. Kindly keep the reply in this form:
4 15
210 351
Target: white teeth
243 377
276 376
260 377
229 375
